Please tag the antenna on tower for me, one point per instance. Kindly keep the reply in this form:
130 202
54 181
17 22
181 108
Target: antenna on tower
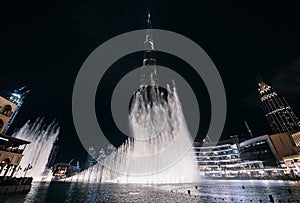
249 131
259 79
149 19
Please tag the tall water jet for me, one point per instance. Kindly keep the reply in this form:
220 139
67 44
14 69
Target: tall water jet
159 149
36 154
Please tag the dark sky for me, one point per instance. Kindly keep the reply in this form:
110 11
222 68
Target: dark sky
44 44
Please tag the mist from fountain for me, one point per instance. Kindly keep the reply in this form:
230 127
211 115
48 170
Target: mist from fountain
160 149
36 154
92 174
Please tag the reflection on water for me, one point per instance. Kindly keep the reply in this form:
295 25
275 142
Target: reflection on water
246 191
207 191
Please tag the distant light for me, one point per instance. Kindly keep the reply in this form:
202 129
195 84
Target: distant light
16 95
1 138
133 193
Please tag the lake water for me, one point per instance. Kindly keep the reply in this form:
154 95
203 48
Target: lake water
206 191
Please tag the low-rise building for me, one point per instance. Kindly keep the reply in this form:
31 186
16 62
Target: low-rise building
222 159
11 154
259 148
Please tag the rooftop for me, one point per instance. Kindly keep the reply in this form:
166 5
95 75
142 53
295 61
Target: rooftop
14 142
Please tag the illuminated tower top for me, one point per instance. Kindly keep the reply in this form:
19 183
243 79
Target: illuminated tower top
148 70
278 112
9 108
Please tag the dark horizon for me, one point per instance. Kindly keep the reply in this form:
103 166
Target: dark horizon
45 44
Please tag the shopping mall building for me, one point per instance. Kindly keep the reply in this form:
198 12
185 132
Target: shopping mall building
266 155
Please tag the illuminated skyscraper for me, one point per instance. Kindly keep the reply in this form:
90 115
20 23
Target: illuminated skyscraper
9 108
149 89
101 156
278 112
90 161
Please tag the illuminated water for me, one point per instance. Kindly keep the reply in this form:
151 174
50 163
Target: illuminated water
161 151
210 191
42 138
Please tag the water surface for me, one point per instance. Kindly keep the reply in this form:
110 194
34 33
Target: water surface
207 191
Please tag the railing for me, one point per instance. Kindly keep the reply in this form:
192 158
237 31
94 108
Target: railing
10 181
13 150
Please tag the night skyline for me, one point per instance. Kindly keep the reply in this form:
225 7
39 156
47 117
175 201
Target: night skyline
43 47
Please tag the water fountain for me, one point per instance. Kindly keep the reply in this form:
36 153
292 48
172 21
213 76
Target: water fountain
36 154
159 149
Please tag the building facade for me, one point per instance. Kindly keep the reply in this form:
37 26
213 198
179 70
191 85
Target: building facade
281 150
278 112
11 154
259 148
9 108
91 157
223 159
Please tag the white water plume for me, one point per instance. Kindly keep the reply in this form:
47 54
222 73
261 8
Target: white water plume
160 147
42 138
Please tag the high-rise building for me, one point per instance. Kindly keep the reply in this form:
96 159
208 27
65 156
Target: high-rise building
278 112
110 149
90 161
9 107
101 156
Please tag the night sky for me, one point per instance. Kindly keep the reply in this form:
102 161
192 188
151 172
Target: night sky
43 46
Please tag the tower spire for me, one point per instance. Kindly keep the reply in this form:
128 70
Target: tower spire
259 79
148 71
262 86
248 129
149 19
149 44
